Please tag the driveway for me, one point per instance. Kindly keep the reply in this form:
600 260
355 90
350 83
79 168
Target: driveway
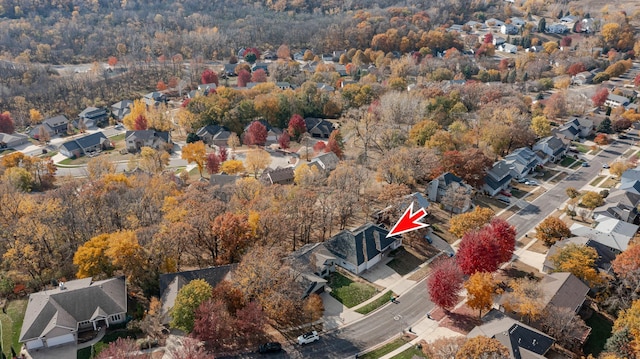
382 275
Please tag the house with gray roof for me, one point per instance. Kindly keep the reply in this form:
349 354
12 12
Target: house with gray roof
318 128
158 140
614 101
54 317
313 262
280 175
622 203
522 161
325 162
53 125
171 283
388 215
214 135
154 99
563 290
552 149
12 140
85 145
522 341
498 178
121 109
576 127
611 232
630 175
438 187
93 116
360 249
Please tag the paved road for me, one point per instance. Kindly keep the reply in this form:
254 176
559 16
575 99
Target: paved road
529 217
369 331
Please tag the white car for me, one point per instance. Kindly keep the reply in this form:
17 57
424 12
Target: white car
531 182
308 338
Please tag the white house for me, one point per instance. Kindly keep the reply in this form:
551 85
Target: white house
614 101
557 28
509 29
509 48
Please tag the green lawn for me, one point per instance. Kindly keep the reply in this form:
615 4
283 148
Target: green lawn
596 181
348 292
582 148
404 262
609 183
576 164
383 350
410 353
11 325
108 338
370 307
567 161
116 138
600 332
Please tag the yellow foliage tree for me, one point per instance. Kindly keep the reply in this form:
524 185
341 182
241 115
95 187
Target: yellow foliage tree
466 222
482 347
158 118
305 175
617 168
187 120
525 298
541 126
153 161
257 160
630 318
232 167
195 152
35 116
126 253
139 108
579 260
481 287
91 258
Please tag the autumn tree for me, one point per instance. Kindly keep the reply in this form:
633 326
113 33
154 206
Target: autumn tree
471 165
307 176
591 200
284 141
43 135
541 126
422 131
470 221
256 134
481 288
621 124
100 166
138 112
283 52
244 77
233 233
232 167
576 68
151 323
209 77
551 230
619 345
600 97
6 123
335 144
629 319
190 348
556 105
579 260
486 249
564 325
233 141
119 349
259 75
482 347
525 298
627 262
91 259
35 116
152 160
444 283
572 192
126 253
195 153
257 160
444 347
213 163
187 301
617 168
296 127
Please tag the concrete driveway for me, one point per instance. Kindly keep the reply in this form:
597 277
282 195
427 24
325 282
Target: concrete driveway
382 275
336 314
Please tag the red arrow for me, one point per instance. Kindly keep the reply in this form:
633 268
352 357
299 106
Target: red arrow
409 222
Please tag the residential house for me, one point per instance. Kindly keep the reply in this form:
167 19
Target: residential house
497 41
214 135
563 290
576 127
622 203
157 140
508 48
509 29
93 116
12 140
522 161
611 232
498 178
325 162
53 125
230 70
269 55
630 175
205 89
438 187
283 85
582 78
517 21
552 149
455 27
171 283
121 109
389 215
55 317
535 49
155 98
605 254
273 133
318 128
280 175
493 22
522 341
341 69
260 66
588 25
325 87
85 145
360 249
614 101
569 19
313 262
557 28
476 25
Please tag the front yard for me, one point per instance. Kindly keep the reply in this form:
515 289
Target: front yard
405 260
348 292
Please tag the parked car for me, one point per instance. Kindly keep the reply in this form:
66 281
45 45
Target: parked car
622 137
308 338
585 164
531 182
605 165
522 180
271 347
504 199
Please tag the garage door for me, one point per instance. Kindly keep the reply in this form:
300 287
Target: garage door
33 344
63 339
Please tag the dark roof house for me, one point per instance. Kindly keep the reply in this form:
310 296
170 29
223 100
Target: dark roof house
93 116
214 135
498 178
280 175
157 140
53 125
84 145
325 162
605 254
121 109
318 128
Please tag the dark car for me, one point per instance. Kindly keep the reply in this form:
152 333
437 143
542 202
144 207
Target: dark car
272 347
622 137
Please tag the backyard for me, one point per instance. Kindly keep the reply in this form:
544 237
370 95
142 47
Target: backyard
11 325
600 332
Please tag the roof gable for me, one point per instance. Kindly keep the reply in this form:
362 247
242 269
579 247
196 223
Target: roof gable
361 244
564 290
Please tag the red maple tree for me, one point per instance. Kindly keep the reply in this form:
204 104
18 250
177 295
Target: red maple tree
284 140
140 123
444 283
209 77
600 97
259 75
485 250
256 134
297 126
213 163
319 146
335 144
576 68
223 153
504 236
244 77
6 123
